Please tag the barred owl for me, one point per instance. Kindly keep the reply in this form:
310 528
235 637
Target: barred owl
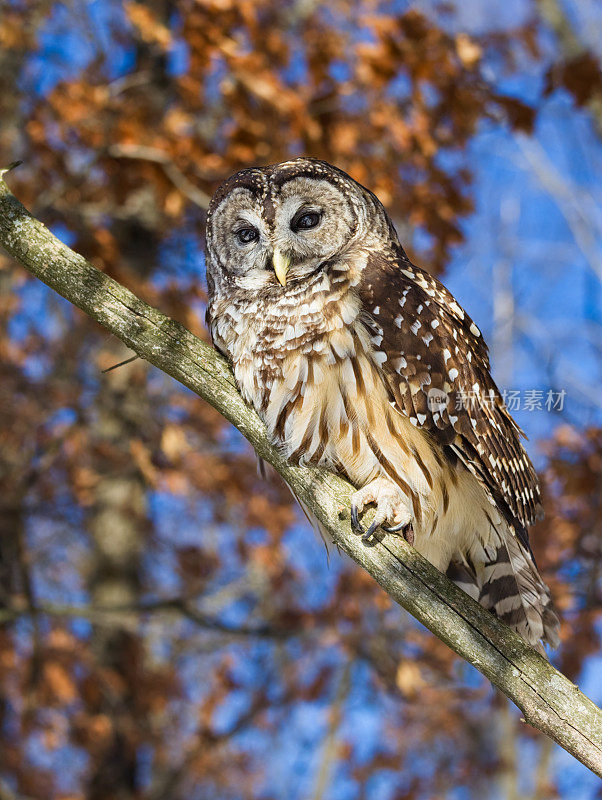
361 362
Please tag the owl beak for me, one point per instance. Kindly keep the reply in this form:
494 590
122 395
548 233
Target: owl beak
281 263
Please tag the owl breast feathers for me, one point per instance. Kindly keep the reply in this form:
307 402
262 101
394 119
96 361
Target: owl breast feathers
365 364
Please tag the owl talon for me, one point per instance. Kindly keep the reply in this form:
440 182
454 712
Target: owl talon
367 538
394 528
356 525
405 528
358 528
392 509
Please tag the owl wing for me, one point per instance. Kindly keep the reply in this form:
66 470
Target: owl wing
431 344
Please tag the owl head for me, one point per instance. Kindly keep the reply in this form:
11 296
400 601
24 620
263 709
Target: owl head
276 226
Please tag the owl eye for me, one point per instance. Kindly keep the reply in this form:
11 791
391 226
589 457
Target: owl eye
247 235
305 220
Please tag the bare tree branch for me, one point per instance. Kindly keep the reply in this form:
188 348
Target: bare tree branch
127 614
179 180
571 46
549 701
571 207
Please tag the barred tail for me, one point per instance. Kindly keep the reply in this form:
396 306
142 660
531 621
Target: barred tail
508 584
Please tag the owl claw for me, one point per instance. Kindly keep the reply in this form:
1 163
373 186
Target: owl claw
408 531
367 537
358 528
391 508
394 528
356 525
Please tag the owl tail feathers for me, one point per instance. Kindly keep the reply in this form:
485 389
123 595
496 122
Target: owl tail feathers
508 584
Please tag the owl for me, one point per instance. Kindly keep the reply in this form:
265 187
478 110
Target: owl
364 364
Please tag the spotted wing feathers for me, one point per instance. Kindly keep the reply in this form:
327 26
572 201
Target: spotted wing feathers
437 368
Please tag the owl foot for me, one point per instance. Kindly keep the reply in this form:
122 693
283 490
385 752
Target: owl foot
392 508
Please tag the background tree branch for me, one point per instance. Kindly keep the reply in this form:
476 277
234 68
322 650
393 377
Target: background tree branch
549 701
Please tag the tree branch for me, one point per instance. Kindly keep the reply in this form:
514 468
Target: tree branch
571 47
179 180
549 701
121 614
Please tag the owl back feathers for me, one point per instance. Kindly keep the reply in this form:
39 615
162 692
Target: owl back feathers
431 345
